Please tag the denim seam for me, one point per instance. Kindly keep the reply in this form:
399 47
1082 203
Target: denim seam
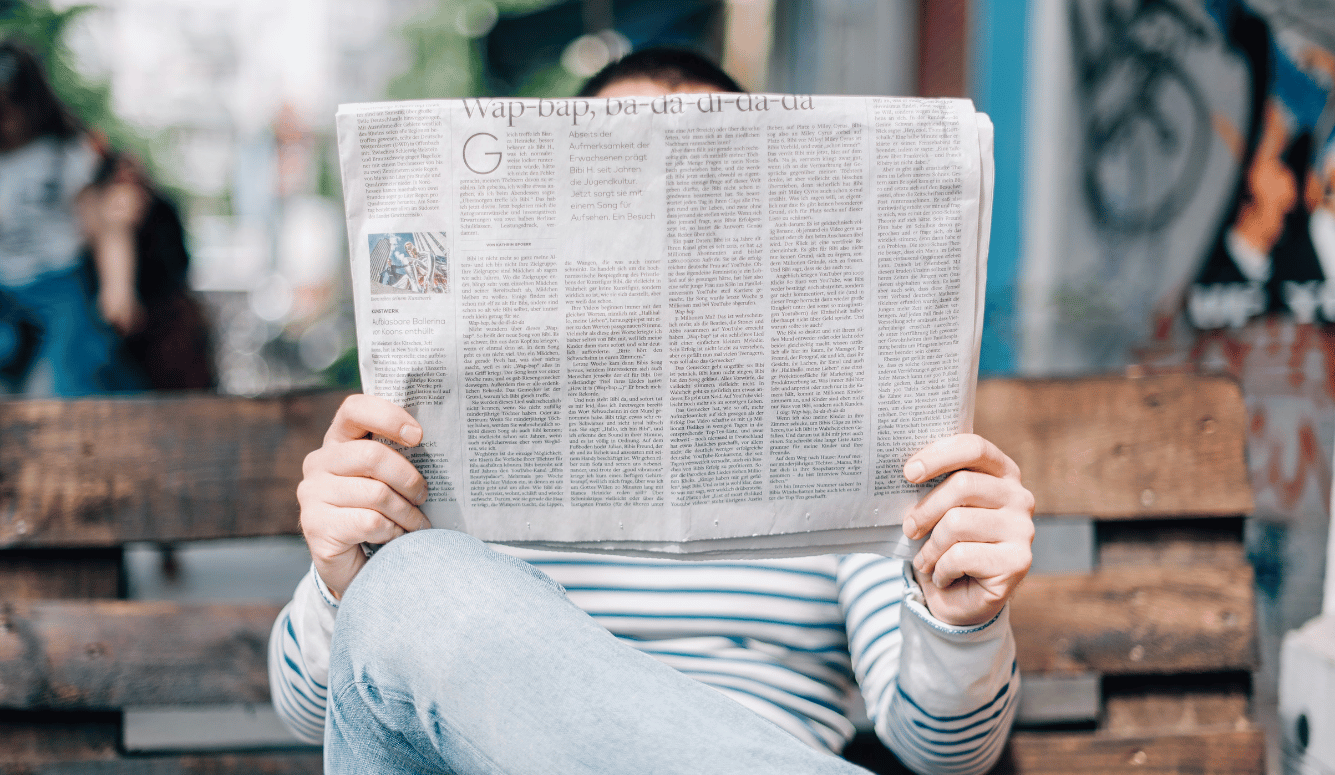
404 699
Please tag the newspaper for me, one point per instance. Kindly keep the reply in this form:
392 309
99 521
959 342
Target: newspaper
710 325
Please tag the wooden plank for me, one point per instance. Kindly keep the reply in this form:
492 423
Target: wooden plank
1123 448
68 655
105 471
109 654
39 738
1136 620
30 574
1177 704
1219 753
1169 712
294 763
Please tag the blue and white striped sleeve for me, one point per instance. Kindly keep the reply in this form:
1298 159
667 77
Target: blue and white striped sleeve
941 697
299 658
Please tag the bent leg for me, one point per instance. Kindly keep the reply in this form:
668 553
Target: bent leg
450 657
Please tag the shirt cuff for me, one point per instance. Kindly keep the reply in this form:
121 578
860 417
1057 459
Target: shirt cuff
916 602
325 594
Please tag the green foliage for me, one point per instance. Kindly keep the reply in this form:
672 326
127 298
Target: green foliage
444 63
344 372
44 30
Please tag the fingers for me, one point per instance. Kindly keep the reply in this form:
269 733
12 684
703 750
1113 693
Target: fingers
961 451
370 524
964 488
970 525
322 490
362 414
371 460
338 558
998 567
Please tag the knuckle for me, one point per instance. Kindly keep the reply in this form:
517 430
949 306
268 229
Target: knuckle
351 403
311 463
1027 500
951 522
377 492
977 446
964 484
366 522
1027 533
304 494
1026 561
364 455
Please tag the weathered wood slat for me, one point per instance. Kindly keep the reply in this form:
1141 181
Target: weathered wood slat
1136 620
1220 753
296 763
105 471
1123 448
1169 712
109 654
68 655
38 738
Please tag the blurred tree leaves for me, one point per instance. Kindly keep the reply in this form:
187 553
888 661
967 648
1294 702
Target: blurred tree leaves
44 29
445 53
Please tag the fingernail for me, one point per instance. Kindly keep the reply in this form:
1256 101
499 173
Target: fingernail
410 433
910 528
914 470
420 498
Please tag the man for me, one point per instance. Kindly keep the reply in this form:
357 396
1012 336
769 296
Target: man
444 655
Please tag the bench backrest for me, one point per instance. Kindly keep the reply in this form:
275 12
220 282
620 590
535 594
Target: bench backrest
1160 627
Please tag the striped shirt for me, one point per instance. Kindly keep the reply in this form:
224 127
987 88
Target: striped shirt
791 639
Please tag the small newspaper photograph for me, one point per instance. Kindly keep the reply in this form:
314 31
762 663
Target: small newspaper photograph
690 326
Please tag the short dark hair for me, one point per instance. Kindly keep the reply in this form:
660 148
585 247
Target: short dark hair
673 66
24 81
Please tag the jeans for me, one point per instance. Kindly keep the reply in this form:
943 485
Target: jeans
77 353
450 657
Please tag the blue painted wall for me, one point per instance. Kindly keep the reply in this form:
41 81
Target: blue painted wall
1000 32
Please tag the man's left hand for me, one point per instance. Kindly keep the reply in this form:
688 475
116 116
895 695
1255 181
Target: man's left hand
981 523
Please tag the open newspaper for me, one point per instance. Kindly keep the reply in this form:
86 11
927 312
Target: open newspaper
709 325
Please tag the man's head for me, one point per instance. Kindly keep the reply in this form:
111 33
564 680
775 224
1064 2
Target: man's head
655 71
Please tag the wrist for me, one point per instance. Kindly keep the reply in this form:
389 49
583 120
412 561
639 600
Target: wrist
921 590
330 597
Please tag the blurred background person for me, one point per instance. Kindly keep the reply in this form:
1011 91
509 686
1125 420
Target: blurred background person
170 342
56 336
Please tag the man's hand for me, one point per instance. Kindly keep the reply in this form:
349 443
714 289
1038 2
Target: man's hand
356 490
981 521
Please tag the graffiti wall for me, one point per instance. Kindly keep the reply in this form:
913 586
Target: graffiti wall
1192 225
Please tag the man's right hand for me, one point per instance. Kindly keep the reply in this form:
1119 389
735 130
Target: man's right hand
355 490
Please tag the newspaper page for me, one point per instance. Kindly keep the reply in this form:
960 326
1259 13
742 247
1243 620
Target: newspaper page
706 325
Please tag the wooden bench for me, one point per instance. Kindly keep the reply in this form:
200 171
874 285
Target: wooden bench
1160 627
